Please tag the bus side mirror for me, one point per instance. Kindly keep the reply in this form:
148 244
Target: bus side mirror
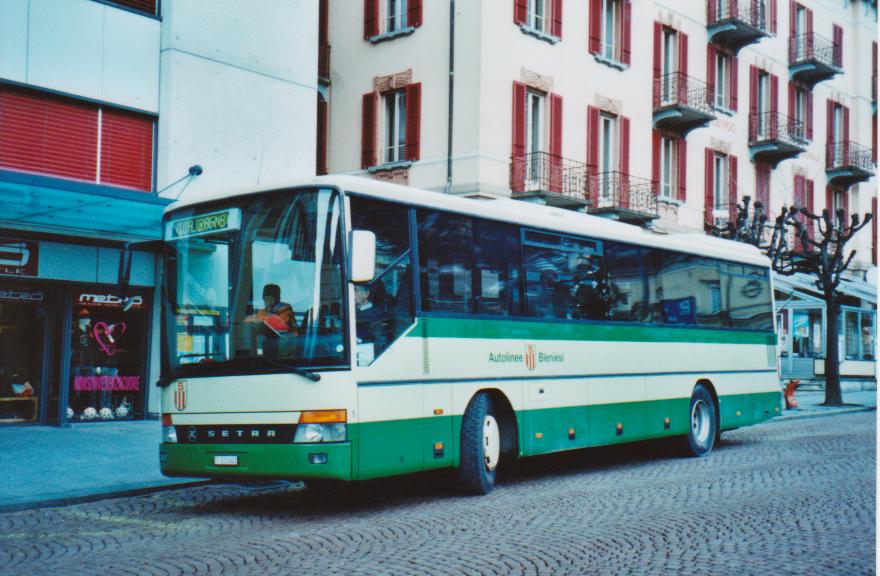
363 255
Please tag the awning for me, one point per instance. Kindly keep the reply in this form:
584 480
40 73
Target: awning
805 285
55 205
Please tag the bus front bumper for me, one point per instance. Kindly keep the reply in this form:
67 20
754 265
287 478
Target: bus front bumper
288 461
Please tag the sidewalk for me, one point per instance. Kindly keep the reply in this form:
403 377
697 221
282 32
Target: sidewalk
44 465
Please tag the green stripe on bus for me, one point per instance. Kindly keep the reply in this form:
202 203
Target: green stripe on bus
436 327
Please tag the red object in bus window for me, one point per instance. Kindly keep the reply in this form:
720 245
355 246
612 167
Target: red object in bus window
275 323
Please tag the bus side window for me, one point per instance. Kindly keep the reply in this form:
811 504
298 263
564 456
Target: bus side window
627 282
383 307
468 265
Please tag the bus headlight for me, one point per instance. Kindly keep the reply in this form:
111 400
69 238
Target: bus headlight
169 435
313 433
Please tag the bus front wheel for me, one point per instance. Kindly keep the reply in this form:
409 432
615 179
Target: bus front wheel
703 423
480 446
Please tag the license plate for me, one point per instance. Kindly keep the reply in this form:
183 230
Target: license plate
226 460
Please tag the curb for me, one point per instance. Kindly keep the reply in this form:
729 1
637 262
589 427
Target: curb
68 500
823 413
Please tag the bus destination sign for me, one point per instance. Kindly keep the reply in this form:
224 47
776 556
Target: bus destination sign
203 224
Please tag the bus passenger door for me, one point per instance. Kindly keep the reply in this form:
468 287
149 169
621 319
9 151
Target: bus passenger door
390 429
437 446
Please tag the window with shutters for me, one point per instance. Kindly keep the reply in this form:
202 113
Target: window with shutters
534 135
608 160
800 112
721 185
387 19
395 126
540 18
723 84
837 124
670 66
762 186
763 119
611 29
668 167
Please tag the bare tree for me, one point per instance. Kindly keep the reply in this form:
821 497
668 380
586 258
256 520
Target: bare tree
819 249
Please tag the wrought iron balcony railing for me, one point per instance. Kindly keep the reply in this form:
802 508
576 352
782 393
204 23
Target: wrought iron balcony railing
324 62
812 47
776 127
753 13
848 154
680 90
616 191
541 172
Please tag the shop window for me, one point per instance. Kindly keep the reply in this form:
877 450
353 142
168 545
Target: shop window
108 356
859 334
22 340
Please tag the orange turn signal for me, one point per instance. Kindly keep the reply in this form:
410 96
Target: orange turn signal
166 419
323 416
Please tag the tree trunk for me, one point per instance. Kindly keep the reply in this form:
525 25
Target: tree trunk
833 396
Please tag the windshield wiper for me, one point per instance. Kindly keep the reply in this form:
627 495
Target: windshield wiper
295 369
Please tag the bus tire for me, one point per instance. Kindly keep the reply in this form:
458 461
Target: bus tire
480 449
703 419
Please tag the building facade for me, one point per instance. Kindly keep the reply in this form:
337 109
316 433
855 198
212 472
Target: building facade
659 113
109 110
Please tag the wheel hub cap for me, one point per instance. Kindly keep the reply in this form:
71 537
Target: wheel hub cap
491 442
700 425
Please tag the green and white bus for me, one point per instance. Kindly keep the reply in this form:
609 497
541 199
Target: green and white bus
347 329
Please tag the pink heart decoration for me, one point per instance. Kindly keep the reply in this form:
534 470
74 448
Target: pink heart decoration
104 335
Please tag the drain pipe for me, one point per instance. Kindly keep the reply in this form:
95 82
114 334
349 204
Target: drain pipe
451 92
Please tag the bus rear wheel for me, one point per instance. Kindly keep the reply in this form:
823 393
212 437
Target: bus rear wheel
703 429
480 446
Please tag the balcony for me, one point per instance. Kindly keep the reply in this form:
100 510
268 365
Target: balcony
813 58
623 197
681 103
734 25
324 63
847 163
549 179
774 137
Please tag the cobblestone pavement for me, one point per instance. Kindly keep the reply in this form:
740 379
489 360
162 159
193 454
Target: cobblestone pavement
793 497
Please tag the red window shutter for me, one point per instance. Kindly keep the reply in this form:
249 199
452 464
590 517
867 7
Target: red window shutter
127 149
799 202
321 156
829 132
733 179
658 34
593 152
734 83
414 13
711 11
683 59
371 18
809 105
845 195
682 170
147 6
323 23
48 134
837 34
874 231
708 195
829 200
556 24
626 33
773 14
874 137
655 161
710 69
624 145
556 143
518 160
811 208
762 186
753 103
774 106
809 33
846 134
413 121
368 130
520 11
595 45
792 99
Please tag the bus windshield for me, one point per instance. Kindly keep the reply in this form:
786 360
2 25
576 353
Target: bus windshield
256 284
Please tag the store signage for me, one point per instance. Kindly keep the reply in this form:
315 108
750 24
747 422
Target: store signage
203 224
7 294
109 300
19 257
93 383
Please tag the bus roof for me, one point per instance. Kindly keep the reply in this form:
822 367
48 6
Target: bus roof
512 211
